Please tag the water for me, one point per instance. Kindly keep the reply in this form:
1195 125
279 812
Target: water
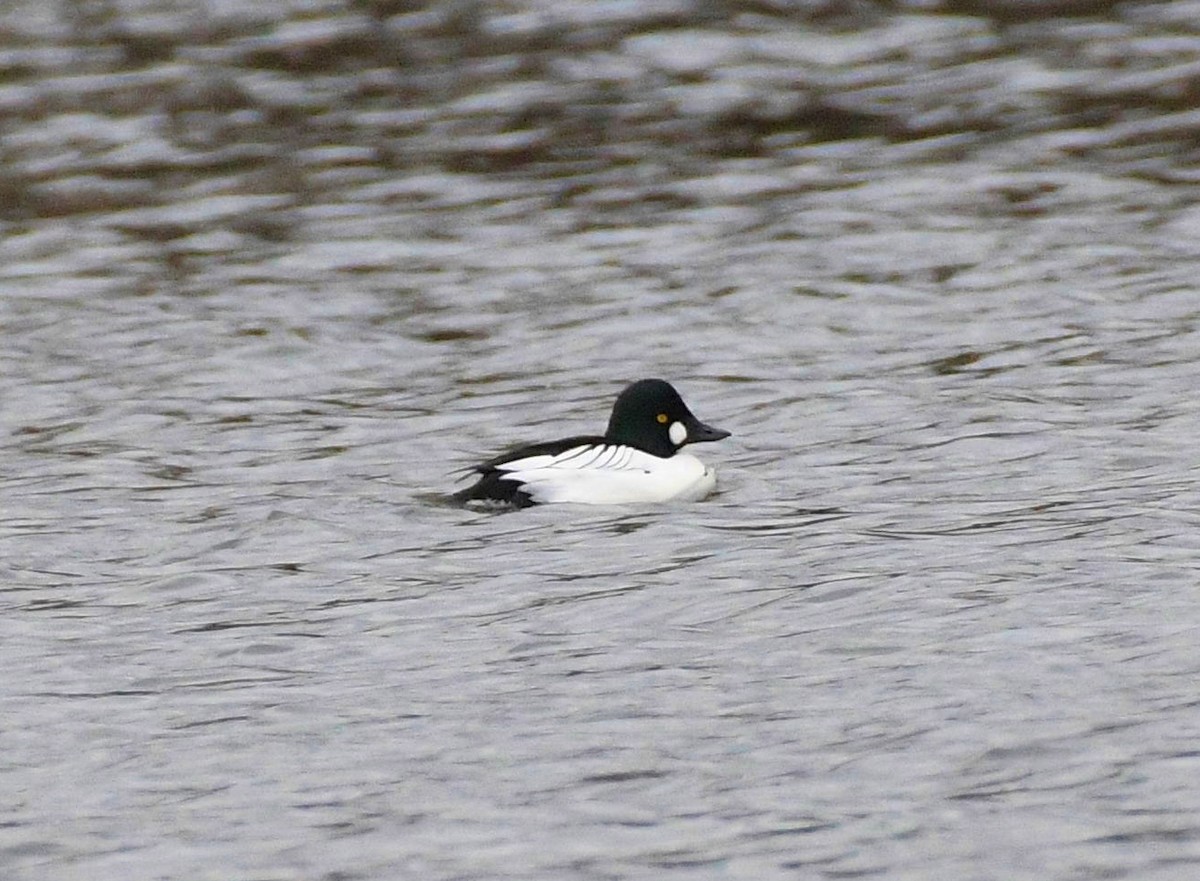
272 276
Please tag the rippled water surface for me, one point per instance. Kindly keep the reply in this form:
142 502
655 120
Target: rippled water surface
272 275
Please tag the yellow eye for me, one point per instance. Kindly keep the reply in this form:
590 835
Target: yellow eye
662 418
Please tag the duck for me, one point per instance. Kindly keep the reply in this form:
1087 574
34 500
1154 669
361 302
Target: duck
638 459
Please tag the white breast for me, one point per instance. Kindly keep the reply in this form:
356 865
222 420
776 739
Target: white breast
611 475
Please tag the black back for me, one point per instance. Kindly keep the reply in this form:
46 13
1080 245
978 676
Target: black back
493 487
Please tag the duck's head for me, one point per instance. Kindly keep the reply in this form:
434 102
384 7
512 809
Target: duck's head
651 416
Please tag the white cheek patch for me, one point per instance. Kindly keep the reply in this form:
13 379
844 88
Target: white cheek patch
677 433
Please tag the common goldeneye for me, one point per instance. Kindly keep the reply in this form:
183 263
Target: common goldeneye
637 460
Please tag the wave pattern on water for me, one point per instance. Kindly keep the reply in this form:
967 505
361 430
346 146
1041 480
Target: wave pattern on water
274 274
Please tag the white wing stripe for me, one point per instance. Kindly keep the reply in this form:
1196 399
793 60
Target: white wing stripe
567 455
596 453
599 457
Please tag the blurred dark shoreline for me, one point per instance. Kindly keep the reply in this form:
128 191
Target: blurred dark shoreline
106 107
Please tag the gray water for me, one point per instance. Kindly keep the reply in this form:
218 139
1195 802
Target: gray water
272 275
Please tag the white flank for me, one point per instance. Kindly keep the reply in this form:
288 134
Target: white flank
611 475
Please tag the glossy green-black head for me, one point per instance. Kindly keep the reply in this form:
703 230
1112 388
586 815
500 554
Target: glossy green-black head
651 416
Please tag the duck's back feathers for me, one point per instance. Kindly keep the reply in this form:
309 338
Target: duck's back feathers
545 448
499 485
591 470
